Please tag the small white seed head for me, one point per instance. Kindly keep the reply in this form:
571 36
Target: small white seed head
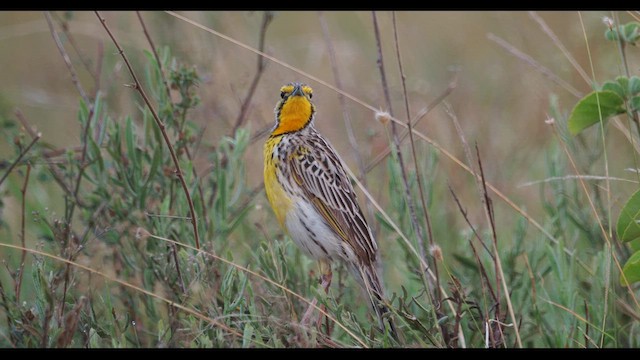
383 117
436 252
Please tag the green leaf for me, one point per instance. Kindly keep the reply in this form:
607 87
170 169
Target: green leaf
628 228
631 270
624 83
634 85
615 87
247 336
630 31
634 245
611 35
634 103
95 153
586 112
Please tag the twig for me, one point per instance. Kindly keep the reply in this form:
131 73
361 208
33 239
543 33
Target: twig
415 157
67 61
266 20
475 232
64 24
174 253
499 273
23 191
467 152
574 177
529 60
161 125
476 256
22 153
155 54
345 112
547 30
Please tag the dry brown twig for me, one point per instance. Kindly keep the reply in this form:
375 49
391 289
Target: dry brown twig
244 108
23 191
425 208
155 55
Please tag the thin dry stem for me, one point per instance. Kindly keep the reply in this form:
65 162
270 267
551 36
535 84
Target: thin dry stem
473 228
67 60
174 254
161 125
483 272
23 258
244 109
574 177
22 153
529 60
427 219
155 55
500 278
554 38
64 24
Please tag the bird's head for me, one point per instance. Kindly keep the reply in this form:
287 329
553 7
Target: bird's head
295 110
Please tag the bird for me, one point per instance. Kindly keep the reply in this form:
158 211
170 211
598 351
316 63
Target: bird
314 201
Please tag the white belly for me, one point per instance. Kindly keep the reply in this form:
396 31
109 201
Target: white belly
314 237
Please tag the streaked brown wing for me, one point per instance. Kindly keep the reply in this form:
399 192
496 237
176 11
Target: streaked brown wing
317 169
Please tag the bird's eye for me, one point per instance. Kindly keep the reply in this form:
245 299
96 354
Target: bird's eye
282 94
310 95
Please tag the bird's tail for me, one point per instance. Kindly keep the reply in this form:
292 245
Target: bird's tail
370 280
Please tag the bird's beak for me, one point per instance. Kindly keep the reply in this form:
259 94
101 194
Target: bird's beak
297 91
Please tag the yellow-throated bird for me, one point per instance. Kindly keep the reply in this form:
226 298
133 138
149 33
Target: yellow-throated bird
313 198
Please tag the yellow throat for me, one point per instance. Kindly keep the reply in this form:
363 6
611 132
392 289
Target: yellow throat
293 113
